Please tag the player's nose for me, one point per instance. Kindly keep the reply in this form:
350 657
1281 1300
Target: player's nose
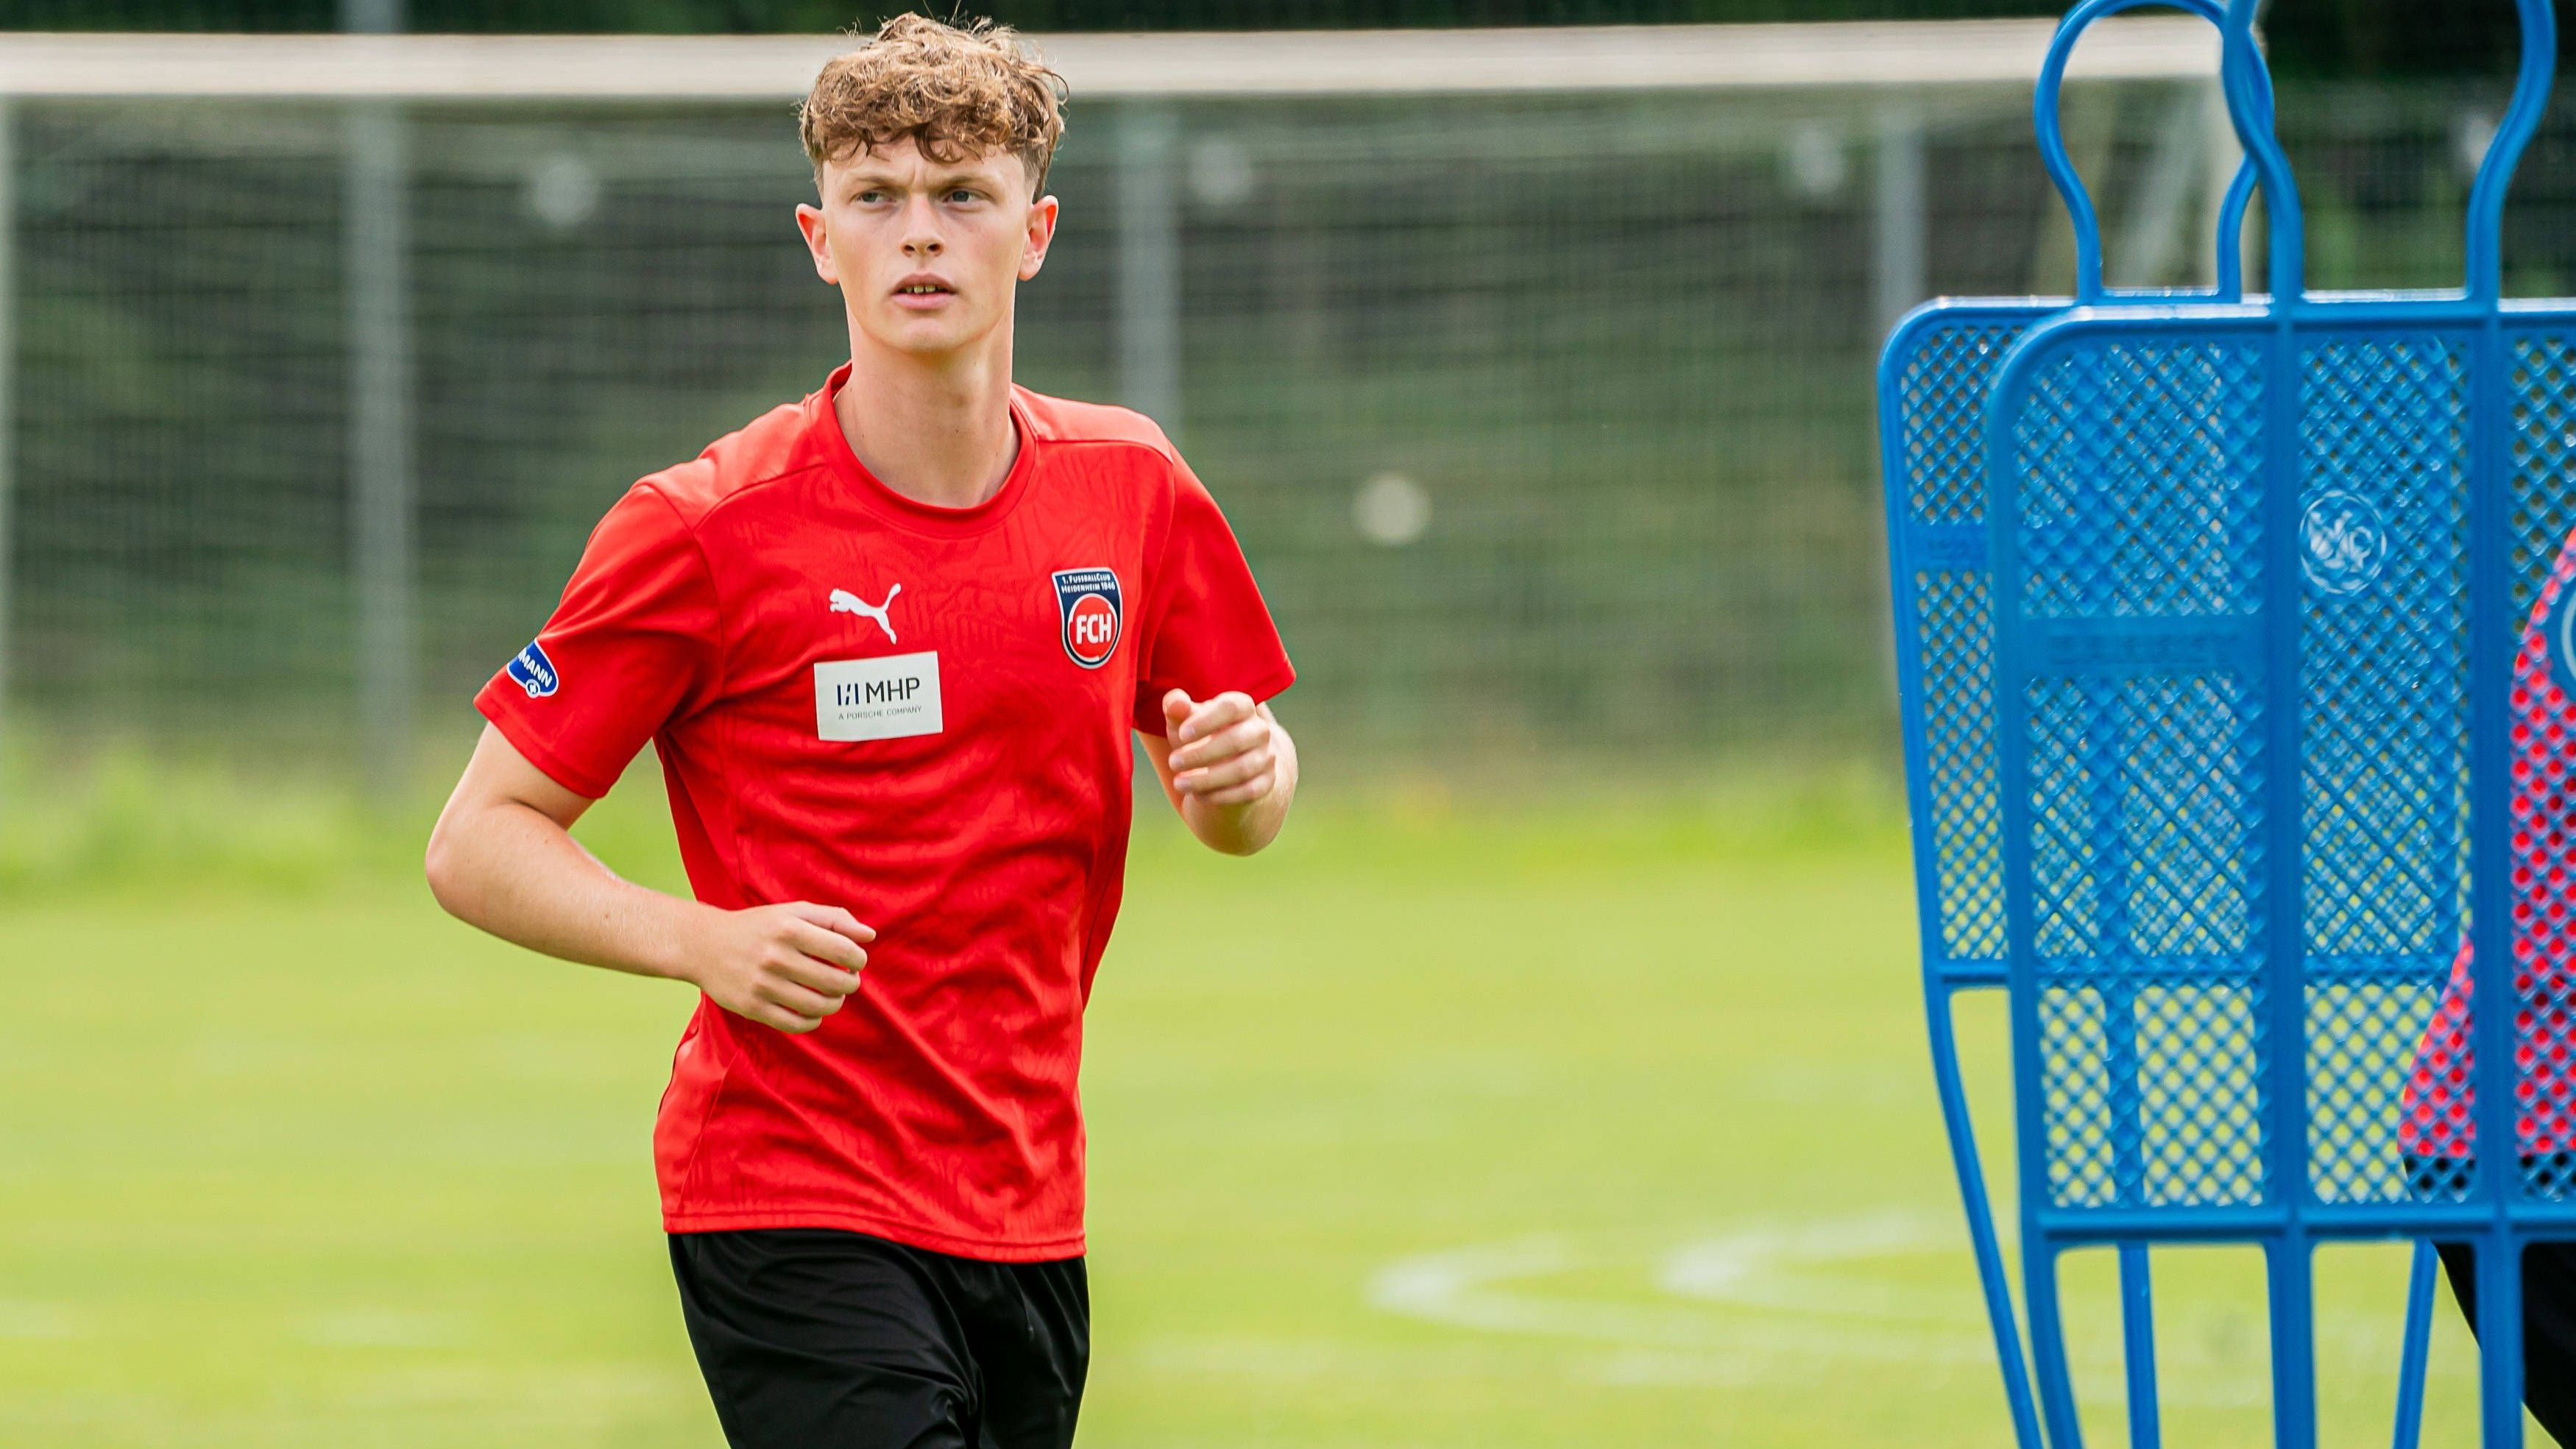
921 229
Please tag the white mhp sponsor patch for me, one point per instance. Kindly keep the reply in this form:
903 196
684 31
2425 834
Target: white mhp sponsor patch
877 699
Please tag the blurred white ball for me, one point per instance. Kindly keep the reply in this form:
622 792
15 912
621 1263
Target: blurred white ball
562 191
1220 173
1391 510
2471 133
1814 161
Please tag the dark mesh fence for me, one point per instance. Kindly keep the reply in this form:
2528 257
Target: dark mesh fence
1546 421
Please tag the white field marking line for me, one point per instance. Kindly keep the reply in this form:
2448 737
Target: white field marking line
1247 1356
1475 1288
1761 1268
27 1320
1765 1299
382 1328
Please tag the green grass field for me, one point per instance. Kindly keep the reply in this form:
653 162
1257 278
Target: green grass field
1545 1127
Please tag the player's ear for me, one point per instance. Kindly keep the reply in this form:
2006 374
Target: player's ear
810 221
1041 232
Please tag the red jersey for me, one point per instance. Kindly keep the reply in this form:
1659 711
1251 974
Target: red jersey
920 714
2439 1102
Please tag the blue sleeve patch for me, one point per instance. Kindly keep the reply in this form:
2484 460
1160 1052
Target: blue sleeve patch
534 671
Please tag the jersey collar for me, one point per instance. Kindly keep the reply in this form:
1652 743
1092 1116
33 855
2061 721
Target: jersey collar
823 423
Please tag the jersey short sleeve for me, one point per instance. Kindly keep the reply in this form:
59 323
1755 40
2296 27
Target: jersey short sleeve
633 645
2436 1122
1206 628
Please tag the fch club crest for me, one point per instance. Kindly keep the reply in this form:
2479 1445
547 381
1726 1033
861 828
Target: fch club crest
534 672
1087 601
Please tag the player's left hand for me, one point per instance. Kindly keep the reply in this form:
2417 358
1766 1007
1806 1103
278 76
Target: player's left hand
1225 751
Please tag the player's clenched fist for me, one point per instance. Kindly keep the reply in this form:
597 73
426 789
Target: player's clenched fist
1224 750
786 966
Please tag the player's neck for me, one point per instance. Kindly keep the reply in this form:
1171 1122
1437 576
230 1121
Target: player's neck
937 431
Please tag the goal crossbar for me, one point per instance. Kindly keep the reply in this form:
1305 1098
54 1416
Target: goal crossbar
1275 63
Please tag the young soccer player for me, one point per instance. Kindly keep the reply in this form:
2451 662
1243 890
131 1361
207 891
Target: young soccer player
2436 1128
889 643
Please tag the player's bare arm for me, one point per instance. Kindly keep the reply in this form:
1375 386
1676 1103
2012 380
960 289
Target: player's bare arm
503 859
1227 767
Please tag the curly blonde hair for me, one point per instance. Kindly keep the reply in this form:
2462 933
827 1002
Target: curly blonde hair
956 91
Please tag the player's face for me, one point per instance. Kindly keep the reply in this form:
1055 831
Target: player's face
926 253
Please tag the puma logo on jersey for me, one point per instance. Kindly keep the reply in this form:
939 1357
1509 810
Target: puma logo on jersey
845 602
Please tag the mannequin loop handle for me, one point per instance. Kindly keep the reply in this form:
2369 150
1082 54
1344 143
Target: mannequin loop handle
2048 122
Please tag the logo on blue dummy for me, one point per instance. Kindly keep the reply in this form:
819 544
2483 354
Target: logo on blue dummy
2342 543
2562 638
534 671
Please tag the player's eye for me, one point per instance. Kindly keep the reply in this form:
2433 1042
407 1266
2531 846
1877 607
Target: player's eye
870 196
963 194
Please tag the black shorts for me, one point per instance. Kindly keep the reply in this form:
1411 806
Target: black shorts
2548 1327
812 1338
2548 1298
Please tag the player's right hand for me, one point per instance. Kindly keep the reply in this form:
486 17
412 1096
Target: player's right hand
786 966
